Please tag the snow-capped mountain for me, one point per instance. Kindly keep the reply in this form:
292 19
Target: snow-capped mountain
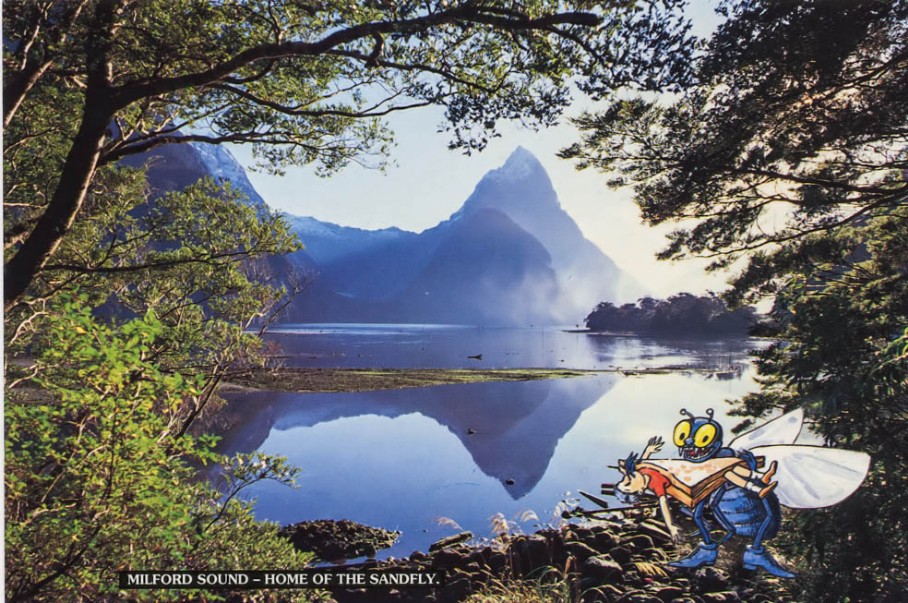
329 242
223 167
510 255
522 190
173 167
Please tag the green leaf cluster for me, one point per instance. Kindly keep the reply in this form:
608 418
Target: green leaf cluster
113 360
146 308
97 482
844 311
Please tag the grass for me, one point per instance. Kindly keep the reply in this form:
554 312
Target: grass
552 585
353 380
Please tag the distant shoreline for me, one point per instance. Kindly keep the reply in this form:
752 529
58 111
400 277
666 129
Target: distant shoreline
677 336
341 380
327 380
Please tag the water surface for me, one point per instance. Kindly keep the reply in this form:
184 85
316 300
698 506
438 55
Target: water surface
422 460
451 346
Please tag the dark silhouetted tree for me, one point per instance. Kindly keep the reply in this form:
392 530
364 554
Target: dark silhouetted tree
790 152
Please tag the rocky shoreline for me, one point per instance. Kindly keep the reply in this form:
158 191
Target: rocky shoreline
621 559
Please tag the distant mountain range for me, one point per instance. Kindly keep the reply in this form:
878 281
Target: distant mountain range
509 256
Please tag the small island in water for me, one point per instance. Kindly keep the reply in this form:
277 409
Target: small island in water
681 315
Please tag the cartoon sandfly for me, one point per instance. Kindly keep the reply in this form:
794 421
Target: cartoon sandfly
742 485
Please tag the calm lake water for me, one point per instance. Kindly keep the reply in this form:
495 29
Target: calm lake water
421 460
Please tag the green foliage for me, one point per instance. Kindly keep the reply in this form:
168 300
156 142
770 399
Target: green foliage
101 472
303 83
99 438
679 315
795 126
197 257
790 153
844 359
96 482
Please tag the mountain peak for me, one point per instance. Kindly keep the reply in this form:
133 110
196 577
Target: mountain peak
224 167
520 185
521 178
520 164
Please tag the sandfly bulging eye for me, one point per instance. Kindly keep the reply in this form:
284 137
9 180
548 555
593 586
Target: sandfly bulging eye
682 432
705 435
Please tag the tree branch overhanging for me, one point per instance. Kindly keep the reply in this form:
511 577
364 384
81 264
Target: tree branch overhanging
130 92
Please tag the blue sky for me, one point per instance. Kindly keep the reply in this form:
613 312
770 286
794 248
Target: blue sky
427 183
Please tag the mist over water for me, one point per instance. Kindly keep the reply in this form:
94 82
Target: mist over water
403 459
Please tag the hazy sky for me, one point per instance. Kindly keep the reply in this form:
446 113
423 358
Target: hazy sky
428 183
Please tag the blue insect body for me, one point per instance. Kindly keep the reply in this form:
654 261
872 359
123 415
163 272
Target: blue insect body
743 513
739 511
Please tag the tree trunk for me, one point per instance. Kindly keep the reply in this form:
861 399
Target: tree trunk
17 87
57 219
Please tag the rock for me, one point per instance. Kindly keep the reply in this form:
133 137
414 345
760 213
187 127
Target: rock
449 558
450 541
621 555
655 555
579 533
638 596
609 592
721 597
639 542
669 593
602 568
493 561
332 540
456 589
605 540
530 553
655 531
471 569
580 550
710 579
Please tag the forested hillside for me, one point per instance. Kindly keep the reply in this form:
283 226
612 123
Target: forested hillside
679 315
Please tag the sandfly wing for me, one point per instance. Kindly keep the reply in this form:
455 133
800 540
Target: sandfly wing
811 477
781 430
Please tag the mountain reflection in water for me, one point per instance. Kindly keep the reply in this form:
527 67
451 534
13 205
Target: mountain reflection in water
402 459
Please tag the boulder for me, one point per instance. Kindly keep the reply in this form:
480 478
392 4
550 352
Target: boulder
602 568
710 579
338 540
